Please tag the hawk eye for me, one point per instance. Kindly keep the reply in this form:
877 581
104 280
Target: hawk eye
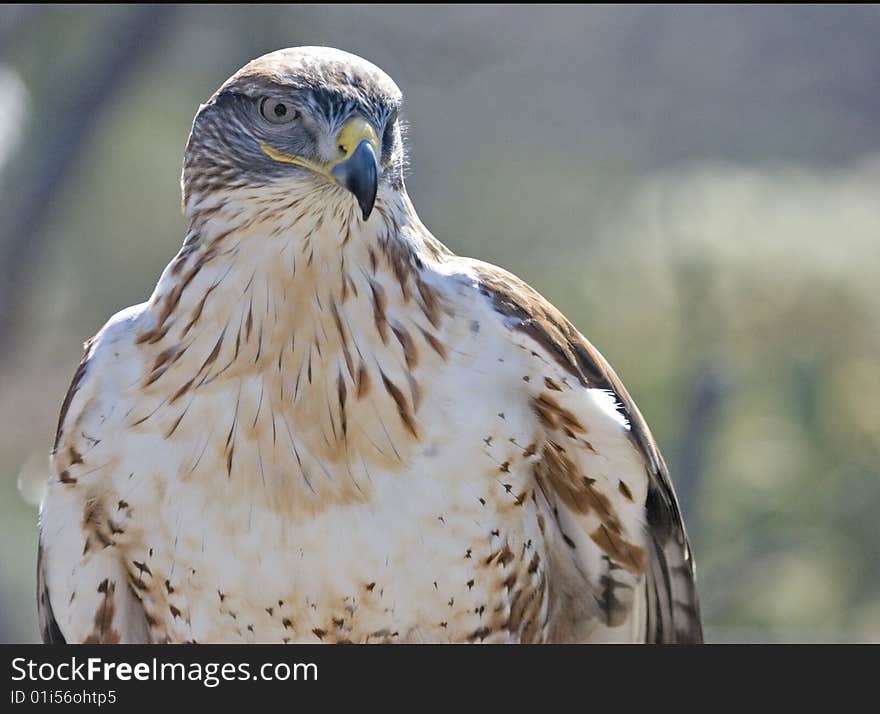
276 111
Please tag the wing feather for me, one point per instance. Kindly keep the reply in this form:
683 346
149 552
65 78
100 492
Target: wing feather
672 607
83 592
49 630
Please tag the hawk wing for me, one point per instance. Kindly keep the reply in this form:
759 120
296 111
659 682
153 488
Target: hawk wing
669 609
83 593
49 631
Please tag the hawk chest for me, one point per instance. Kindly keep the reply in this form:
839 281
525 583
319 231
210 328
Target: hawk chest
397 509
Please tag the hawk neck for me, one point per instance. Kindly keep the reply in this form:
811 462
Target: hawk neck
305 324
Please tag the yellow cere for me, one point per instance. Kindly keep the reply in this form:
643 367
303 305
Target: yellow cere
354 131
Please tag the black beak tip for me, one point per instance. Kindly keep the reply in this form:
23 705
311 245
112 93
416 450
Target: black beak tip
360 175
366 203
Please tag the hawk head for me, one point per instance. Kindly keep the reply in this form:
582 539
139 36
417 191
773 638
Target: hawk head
304 117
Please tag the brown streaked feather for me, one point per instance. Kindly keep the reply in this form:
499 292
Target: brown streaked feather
403 408
103 631
673 607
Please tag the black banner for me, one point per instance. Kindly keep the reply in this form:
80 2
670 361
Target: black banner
414 676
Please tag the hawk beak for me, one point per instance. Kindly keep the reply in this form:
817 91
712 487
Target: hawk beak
357 167
359 173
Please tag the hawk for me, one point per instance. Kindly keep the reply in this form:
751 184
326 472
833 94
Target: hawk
324 426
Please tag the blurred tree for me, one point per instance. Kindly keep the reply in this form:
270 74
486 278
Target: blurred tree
62 136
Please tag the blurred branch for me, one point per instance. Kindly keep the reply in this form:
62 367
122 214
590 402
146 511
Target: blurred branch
63 138
702 320
700 423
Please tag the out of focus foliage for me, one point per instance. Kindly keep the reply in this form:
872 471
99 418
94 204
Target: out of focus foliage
698 188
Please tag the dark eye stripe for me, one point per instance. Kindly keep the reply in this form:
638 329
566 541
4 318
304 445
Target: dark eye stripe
388 136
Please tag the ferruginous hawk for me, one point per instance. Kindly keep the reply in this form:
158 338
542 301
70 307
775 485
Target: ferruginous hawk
323 426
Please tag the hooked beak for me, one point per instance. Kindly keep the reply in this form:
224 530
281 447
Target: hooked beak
356 169
359 173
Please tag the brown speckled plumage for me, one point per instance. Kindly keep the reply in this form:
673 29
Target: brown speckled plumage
323 426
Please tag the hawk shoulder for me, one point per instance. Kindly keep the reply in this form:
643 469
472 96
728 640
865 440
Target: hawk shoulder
647 576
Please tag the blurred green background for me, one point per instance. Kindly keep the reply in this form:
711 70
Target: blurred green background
698 188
